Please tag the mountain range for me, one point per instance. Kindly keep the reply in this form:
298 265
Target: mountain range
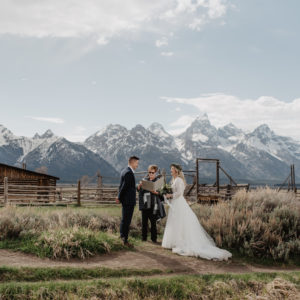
256 156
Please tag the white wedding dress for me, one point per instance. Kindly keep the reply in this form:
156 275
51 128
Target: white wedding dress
184 234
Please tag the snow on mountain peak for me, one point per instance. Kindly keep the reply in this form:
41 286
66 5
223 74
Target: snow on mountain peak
5 131
36 136
138 127
201 121
158 129
156 125
203 117
116 128
5 135
110 130
100 132
263 131
230 130
47 134
230 126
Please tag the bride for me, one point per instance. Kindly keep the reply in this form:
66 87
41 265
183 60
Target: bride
183 233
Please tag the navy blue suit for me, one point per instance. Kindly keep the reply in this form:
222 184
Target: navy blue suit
127 196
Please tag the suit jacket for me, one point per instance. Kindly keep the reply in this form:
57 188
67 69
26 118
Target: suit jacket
127 189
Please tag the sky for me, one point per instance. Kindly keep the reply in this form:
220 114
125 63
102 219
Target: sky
76 66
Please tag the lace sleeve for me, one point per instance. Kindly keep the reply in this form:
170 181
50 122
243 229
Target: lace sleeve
178 188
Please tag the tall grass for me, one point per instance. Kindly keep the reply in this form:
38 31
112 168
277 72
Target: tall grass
59 233
260 223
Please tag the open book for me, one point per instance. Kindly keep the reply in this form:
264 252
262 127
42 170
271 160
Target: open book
153 186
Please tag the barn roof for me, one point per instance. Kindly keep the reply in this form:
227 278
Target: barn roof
28 171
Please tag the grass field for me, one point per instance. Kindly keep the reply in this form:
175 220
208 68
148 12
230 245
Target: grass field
261 229
133 284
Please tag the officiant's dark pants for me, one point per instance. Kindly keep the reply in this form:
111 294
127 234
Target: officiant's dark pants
147 214
127 212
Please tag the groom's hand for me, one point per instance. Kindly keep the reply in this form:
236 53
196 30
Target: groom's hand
117 200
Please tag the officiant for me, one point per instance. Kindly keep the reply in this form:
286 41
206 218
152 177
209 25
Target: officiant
150 204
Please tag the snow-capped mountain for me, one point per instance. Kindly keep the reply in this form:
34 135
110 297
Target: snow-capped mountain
258 155
64 159
266 154
203 140
154 145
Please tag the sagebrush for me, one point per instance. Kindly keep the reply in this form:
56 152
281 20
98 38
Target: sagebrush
260 223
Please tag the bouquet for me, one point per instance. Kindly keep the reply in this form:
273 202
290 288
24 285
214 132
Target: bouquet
166 189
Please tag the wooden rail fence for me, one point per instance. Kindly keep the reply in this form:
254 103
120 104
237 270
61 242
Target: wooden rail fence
12 194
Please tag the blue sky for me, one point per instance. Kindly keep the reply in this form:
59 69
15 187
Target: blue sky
77 66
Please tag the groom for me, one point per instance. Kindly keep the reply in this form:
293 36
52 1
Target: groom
127 197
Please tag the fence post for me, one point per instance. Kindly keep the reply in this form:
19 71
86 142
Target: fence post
78 193
164 174
197 179
5 187
99 186
218 176
294 180
60 194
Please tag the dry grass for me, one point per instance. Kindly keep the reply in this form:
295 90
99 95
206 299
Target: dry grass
15 221
77 242
260 223
59 233
208 287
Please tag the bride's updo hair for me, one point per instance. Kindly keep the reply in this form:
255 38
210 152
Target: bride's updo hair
178 168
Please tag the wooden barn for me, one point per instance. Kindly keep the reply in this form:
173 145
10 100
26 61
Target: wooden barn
21 185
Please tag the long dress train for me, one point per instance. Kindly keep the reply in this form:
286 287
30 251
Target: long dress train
183 232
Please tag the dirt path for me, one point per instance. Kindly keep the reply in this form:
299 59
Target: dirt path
146 256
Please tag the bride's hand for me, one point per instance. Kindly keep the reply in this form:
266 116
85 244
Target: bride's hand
169 196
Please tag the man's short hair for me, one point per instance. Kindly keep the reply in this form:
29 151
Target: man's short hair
131 158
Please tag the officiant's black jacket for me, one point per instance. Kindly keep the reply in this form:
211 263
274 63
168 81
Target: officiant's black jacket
127 189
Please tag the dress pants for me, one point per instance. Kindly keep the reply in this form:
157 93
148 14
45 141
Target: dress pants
127 212
147 214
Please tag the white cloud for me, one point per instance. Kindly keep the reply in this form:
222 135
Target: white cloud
197 24
76 138
49 120
77 135
282 117
216 8
80 129
181 124
103 20
167 54
162 42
